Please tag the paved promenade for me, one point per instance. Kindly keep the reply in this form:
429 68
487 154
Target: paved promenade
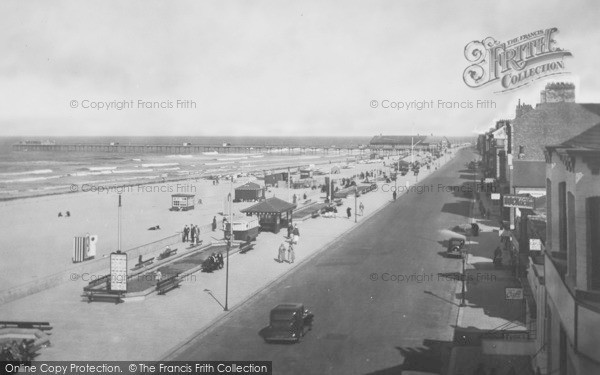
149 329
486 307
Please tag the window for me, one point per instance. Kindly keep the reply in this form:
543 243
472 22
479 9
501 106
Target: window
521 152
562 216
593 237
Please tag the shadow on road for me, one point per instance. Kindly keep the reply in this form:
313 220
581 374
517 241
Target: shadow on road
432 357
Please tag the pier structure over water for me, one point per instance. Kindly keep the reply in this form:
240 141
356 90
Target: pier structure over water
180 149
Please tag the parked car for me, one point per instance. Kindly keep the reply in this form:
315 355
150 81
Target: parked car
455 246
287 322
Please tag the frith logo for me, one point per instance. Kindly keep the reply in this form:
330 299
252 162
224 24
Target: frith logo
516 62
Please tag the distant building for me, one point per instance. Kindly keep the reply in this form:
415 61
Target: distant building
405 142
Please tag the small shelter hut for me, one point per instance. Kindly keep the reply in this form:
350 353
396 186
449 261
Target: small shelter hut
273 214
250 191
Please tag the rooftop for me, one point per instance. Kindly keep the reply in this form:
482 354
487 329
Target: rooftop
271 205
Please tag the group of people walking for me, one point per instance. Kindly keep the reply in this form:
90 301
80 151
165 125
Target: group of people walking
191 233
286 249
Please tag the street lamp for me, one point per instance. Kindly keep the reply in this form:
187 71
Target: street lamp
228 237
464 276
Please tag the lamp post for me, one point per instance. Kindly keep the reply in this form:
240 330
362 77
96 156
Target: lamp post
464 276
228 237
355 199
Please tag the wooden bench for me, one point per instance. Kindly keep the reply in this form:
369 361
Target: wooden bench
42 326
99 281
104 294
143 264
247 246
171 282
167 253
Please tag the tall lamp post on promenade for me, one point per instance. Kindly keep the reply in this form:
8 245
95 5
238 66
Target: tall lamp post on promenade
228 237
465 254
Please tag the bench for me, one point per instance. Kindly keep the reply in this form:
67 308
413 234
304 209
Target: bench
171 282
104 294
246 247
143 264
338 202
167 253
97 282
42 326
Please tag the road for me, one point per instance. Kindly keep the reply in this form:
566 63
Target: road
365 322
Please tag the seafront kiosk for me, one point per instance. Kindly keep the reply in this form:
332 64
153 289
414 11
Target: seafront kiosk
182 202
273 214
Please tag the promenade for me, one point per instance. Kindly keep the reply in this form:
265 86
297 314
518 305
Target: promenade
487 311
149 329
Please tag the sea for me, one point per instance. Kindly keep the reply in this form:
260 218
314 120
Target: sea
26 173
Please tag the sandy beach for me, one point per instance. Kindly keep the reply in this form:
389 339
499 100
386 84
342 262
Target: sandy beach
43 241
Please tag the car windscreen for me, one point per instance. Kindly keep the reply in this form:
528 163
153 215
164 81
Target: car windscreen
282 315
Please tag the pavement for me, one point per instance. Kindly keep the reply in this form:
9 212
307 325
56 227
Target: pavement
150 328
486 307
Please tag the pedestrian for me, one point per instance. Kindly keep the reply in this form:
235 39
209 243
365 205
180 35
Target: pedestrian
295 198
362 208
291 254
290 229
158 275
197 235
394 195
281 254
214 223
192 233
296 234
349 212
60 214
184 233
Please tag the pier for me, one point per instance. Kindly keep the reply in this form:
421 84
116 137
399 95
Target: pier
179 149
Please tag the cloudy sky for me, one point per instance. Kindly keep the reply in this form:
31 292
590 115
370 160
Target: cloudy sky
269 67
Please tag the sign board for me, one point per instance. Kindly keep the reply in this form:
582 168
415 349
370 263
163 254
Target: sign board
519 201
514 293
495 196
118 272
535 244
488 180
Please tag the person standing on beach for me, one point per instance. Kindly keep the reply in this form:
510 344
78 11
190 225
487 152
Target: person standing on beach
281 254
192 233
394 195
291 254
186 232
349 212
296 234
214 223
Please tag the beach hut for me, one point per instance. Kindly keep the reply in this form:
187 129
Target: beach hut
273 214
273 179
244 228
250 191
306 173
182 202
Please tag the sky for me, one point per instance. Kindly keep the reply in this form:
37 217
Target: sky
266 68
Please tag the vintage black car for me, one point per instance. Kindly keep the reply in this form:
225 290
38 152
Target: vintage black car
455 246
287 322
